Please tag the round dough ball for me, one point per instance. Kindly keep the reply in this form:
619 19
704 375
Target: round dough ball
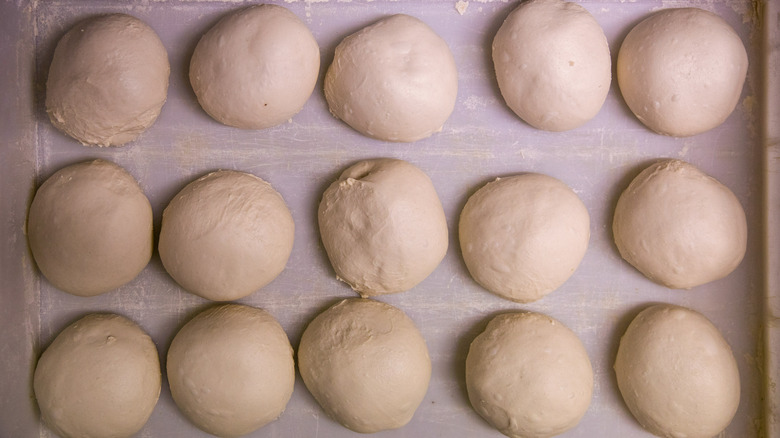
529 376
395 80
681 71
552 64
679 226
231 370
226 235
90 228
100 378
677 374
523 236
366 364
383 226
256 67
108 80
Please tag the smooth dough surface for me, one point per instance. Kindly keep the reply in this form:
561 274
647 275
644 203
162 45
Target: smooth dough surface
679 226
383 226
681 71
552 64
523 236
256 67
395 80
231 369
108 80
529 376
100 378
366 364
677 374
90 228
226 235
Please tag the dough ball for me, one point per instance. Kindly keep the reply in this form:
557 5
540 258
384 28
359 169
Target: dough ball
383 226
552 64
677 374
680 227
366 364
90 228
681 71
529 376
108 80
394 80
523 236
231 370
100 378
226 235
256 67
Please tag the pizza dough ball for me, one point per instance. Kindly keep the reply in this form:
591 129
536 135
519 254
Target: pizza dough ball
256 67
679 226
523 236
529 376
90 228
383 226
108 80
552 64
231 370
366 364
677 374
100 378
394 80
681 71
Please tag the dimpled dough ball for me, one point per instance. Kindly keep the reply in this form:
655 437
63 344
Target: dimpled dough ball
108 80
395 80
255 68
100 378
677 374
226 235
231 369
366 364
529 376
552 64
90 228
681 71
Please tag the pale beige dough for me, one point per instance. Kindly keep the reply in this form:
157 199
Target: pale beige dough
552 64
108 80
679 226
256 67
529 376
226 235
100 378
395 80
677 374
681 71
366 364
90 228
383 226
523 236
231 370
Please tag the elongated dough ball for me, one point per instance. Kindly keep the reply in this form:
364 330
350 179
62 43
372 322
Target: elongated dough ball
100 378
226 235
366 364
256 67
529 376
383 226
552 64
395 80
90 228
679 226
231 370
681 71
677 374
108 80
